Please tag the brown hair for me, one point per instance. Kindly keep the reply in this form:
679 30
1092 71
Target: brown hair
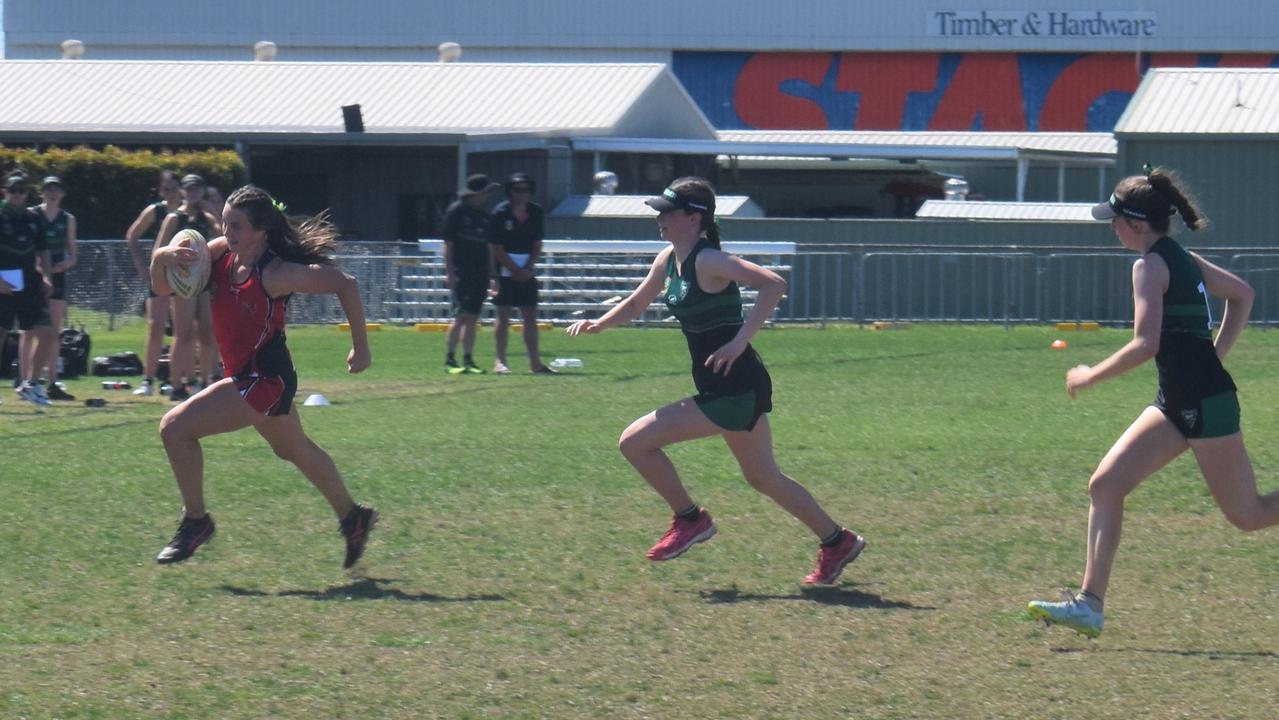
301 239
1161 189
701 190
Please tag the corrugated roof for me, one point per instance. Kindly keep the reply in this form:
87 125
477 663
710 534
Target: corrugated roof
1206 100
1097 144
980 210
633 206
306 97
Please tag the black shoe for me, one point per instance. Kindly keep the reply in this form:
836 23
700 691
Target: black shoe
470 368
451 367
180 392
57 392
546 370
355 528
191 534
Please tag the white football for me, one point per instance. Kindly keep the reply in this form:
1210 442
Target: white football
188 281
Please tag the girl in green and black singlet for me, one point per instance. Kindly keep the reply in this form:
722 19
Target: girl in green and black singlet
60 240
147 226
192 318
1196 407
699 283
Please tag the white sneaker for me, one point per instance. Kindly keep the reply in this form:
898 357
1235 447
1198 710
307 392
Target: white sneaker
500 368
1074 614
146 389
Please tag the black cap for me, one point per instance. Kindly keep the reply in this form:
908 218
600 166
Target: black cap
14 181
1145 208
192 179
51 180
697 198
477 184
520 178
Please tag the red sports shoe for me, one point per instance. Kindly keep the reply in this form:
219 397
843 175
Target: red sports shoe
683 535
831 560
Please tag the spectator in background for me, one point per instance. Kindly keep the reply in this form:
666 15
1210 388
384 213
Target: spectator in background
25 285
468 262
213 201
515 234
147 225
60 240
191 214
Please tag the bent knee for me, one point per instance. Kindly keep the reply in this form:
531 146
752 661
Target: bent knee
1247 520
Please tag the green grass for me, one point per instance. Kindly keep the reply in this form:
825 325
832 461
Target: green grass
507 577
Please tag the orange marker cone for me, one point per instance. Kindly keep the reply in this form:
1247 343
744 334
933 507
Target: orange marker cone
1059 345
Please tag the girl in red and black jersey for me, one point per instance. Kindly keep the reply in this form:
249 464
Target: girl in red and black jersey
264 258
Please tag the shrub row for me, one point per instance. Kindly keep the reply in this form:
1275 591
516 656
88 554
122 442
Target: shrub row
107 187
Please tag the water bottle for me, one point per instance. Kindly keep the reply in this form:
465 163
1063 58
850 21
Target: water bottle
115 385
566 363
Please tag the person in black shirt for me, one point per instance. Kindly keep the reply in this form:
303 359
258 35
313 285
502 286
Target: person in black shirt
25 286
1196 407
468 264
515 234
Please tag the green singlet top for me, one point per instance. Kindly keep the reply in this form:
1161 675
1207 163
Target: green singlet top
1189 369
55 234
709 321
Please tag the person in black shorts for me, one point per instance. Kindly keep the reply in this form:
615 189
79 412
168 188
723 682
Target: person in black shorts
60 240
515 234
469 265
25 286
699 283
147 226
1196 407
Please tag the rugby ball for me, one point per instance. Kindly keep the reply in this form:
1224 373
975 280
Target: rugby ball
188 281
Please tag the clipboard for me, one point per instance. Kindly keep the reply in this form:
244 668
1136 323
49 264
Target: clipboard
14 278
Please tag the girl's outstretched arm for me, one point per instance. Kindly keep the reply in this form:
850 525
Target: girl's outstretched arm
634 305
285 278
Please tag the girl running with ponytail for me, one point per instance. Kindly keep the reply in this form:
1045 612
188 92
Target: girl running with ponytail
699 283
263 259
1196 407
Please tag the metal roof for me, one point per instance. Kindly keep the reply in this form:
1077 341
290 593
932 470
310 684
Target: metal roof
996 144
633 206
455 100
975 210
1207 101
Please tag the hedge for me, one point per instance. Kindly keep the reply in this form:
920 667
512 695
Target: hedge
107 188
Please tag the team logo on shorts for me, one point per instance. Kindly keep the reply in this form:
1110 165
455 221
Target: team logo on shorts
1191 417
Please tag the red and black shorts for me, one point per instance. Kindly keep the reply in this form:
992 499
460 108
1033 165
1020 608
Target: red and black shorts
269 386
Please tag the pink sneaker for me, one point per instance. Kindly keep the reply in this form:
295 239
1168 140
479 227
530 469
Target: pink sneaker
831 561
683 535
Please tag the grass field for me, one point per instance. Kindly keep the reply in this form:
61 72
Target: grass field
507 577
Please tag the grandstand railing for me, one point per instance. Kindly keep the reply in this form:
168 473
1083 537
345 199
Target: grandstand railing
404 282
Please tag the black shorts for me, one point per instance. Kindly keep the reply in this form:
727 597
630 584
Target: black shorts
28 306
1213 416
59 286
511 293
468 296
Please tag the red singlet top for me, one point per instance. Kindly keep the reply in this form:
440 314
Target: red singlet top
245 318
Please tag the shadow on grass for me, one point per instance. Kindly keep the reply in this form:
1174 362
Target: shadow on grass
1209 654
361 589
843 595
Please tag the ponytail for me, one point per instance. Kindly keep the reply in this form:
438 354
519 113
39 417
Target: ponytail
1166 183
712 234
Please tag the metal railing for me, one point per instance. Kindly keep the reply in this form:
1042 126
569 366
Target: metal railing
404 283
